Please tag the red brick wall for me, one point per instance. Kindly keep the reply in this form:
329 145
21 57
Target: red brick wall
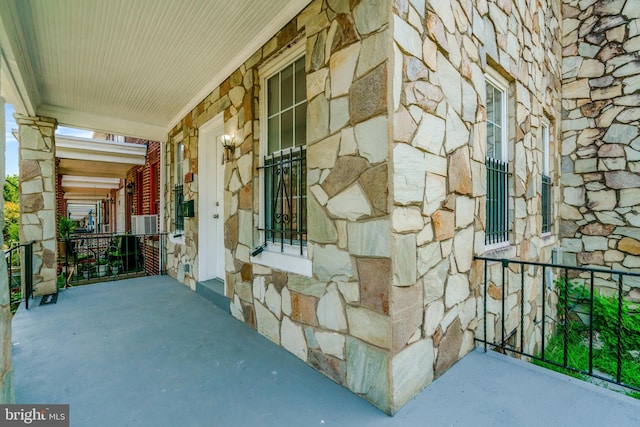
140 202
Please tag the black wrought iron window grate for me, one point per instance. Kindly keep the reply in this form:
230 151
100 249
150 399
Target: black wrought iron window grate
285 175
497 230
178 213
546 204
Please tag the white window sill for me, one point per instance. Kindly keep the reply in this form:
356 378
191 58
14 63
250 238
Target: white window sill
288 260
504 250
177 238
547 240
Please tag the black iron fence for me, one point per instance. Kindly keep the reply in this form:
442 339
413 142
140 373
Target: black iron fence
88 258
286 198
178 197
546 204
497 230
19 258
577 320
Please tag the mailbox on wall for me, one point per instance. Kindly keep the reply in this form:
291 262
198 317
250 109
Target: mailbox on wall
188 209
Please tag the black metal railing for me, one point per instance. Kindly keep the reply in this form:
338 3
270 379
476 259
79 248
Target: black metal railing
546 204
579 322
178 197
285 177
19 258
497 229
89 258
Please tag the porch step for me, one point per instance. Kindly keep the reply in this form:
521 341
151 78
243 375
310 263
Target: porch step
213 290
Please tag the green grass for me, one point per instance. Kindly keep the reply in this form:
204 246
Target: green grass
605 330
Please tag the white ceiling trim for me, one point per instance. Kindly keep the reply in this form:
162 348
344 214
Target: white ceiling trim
71 147
18 80
90 182
268 31
103 124
82 198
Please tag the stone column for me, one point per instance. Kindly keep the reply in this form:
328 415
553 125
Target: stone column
38 198
6 370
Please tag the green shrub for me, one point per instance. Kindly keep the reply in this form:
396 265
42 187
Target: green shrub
605 335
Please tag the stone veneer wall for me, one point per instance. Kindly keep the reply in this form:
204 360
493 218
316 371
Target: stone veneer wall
38 198
395 207
442 51
601 134
338 320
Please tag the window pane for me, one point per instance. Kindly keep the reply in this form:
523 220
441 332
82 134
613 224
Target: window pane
491 152
490 112
301 125
497 107
273 95
497 147
287 87
273 135
301 81
287 129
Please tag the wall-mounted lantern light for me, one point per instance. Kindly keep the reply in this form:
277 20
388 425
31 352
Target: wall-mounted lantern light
228 143
130 187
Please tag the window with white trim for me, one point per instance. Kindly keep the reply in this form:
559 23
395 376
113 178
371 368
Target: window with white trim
497 203
178 195
284 162
545 191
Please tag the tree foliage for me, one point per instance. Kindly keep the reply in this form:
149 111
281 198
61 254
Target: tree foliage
11 229
11 191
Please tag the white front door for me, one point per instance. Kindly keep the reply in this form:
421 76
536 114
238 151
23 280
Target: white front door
210 199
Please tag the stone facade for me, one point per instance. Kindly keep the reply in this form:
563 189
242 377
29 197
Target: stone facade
601 135
442 53
38 198
395 178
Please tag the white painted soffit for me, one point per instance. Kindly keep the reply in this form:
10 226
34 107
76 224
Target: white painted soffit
97 150
83 198
128 67
90 182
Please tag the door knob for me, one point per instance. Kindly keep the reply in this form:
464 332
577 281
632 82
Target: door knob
216 216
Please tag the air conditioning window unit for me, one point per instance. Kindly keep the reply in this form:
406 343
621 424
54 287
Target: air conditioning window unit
144 224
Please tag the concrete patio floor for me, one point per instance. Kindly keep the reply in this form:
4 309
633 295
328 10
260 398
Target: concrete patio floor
149 352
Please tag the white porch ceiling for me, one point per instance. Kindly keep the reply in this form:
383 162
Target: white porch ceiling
91 168
127 67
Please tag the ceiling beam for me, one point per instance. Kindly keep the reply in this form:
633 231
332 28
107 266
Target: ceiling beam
100 123
19 84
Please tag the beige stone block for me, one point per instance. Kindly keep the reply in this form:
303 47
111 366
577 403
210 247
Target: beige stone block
433 315
407 37
463 250
409 177
350 204
576 89
330 312
342 69
323 154
450 83
406 219
316 82
350 291
292 338
606 93
412 370
430 134
372 137
267 324
331 343
369 326
429 54
428 256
